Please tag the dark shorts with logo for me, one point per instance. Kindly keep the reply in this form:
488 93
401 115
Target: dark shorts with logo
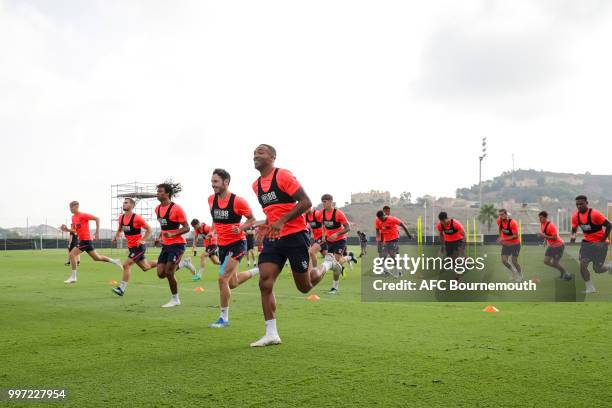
74 242
511 250
337 247
234 250
137 253
86 246
453 247
595 252
391 247
292 247
171 253
212 250
554 252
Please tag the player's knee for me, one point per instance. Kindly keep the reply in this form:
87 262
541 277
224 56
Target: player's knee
266 285
304 288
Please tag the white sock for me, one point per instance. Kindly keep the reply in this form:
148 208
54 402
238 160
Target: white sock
271 328
589 285
122 285
175 297
73 274
335 284
347 258
254 271
225 313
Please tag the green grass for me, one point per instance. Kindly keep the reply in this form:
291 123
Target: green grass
339 351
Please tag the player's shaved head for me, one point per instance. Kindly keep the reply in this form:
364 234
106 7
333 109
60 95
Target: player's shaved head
263 157
73 203
270 148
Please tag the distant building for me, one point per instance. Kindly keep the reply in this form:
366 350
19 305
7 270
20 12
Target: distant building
372 197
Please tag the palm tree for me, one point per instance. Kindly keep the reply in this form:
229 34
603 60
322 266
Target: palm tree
487 214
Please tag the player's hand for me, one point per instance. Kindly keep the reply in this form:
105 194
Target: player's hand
97 236
64 228
333 236
498 240
236 229
142 242
540 234
156 242
572 239
167 234
262 231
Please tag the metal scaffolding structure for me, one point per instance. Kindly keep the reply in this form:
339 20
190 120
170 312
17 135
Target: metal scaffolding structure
145 195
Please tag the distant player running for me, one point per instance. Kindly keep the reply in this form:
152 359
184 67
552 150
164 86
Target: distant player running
73 242
227 210
389 234
284 202
554 245
363 243
131 225
336 227
452 235
594 246
511 244
173 222
80 227
209 241
314 222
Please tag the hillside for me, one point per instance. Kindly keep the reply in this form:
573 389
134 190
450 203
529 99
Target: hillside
532 186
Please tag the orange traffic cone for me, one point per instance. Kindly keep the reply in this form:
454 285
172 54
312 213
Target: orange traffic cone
490 309
313 298
199 289
113 282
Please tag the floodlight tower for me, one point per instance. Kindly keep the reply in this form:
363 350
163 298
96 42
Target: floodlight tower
483 154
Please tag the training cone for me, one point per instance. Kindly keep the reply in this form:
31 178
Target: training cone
490 309
113 282
199 289
313 298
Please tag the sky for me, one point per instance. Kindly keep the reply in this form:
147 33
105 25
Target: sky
354 95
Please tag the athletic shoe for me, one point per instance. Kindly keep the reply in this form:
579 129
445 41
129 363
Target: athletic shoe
196 277
336 267
117 263
342 272
67 263
588 291
118 291
70 280
219 324
333 291
186 263
567 277
267 341
353 259
172 303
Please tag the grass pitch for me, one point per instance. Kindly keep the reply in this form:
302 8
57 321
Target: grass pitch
339 351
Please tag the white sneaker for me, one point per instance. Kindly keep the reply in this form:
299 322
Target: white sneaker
589 290
70 280
336 267
118 263
172 303
186 263
267 341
